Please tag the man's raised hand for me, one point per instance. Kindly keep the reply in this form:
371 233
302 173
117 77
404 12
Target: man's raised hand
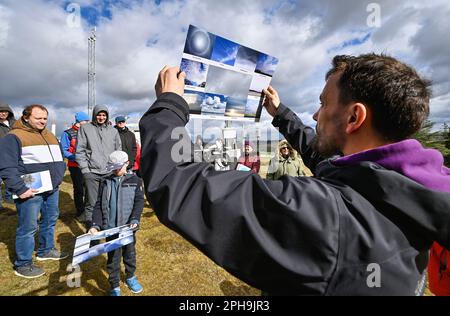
170 79
271 101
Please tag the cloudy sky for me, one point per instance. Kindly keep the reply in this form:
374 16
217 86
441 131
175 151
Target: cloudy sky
43 46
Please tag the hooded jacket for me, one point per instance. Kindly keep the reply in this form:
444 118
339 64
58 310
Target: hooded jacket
29 151
4 129
95 143
128 140
292 165
355 228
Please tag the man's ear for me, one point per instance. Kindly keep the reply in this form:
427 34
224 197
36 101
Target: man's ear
357 115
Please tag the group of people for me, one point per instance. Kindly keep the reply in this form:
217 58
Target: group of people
101 158
375 214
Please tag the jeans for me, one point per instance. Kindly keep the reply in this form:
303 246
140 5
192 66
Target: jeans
28 211
78 189
128 252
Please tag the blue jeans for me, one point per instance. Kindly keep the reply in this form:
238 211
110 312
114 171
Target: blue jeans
28 211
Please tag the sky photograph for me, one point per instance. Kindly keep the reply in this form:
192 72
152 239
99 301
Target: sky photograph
227 82
195 72
224 51
266 65
44 47
246 58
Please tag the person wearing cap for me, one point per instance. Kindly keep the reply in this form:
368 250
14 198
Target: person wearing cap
120 202
250 159
68 144
287 162
96 141
7 120
128 139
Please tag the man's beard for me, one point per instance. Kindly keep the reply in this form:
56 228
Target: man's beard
327 147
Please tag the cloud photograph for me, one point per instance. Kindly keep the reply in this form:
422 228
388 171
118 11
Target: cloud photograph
213 104
246 58
235 107
224 51
194 100
195 72
227 82
266 64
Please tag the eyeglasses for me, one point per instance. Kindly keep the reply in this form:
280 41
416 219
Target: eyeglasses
284 148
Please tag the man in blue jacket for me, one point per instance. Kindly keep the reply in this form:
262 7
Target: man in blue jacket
363 225
69 145
32 148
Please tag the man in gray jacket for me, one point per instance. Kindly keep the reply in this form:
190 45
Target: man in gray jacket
96 141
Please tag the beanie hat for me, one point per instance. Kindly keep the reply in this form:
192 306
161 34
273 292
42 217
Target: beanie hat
81 116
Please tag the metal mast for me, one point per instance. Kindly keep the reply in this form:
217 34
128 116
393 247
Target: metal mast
91 71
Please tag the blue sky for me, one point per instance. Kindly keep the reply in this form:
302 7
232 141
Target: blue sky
44 58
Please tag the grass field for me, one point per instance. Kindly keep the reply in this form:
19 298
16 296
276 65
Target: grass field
166 263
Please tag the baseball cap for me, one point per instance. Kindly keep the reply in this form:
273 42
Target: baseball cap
120 118
116 160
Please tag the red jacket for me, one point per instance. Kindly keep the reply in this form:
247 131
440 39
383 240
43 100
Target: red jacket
251 161
137 162
439 270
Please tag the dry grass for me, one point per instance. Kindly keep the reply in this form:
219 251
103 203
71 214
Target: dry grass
166 263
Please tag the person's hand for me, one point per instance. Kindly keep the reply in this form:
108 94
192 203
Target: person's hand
28 194
133 226
93 231
170 79
271 101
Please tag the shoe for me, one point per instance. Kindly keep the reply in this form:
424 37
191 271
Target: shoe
115 292
53 254
29 271
134 285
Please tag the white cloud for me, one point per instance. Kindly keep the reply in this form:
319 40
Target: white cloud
43 60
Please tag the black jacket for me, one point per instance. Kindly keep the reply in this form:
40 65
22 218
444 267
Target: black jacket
297 235
128 144
4 129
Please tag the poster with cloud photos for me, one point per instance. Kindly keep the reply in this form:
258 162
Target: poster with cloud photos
224 80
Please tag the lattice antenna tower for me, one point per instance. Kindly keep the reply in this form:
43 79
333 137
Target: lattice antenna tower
91 70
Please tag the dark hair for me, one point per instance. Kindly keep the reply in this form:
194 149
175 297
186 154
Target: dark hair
27 111
396 94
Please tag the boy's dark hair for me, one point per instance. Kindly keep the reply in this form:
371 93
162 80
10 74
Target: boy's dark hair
397 96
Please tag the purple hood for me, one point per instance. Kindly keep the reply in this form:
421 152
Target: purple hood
409 158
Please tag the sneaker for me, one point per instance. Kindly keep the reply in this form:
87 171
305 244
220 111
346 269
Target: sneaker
115 291
29 271
134 285
52 255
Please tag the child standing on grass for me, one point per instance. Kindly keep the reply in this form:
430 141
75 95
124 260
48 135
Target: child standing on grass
120 202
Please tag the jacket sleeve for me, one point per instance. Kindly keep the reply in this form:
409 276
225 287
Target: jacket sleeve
279 236
138 206
133 149
117 140
9 167
65 145
81 150
300 136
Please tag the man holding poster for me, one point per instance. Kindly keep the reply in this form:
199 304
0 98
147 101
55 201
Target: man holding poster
363 225
33 151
